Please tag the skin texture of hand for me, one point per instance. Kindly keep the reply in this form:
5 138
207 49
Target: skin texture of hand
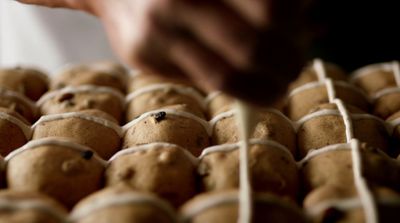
250 49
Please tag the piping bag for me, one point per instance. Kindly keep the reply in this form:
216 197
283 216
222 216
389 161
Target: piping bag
246 122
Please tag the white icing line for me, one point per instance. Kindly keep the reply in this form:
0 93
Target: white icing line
319 69
246 123
80 115
317 84
173 112
204 204
330 88
220 199
150 146
366 196
235 146
9 204
345 204
211 96
370 69
187 91
26 129
384 92
221 116
396 72
324 112
18 96
56 141
333 112
81 89
316 152
129 198
348 124
341 204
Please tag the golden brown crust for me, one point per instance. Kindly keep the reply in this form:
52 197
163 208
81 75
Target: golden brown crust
303 102
309 75
271 125
63 173
107 74
27 81
104 140
271 169
164 127
163 170
137 211
78 101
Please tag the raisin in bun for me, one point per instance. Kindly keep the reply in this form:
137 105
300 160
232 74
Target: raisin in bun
92 128
159 96
168 125
57 167
333 203
164 169
122 204
72 99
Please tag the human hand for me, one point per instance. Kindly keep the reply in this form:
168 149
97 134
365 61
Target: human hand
246 48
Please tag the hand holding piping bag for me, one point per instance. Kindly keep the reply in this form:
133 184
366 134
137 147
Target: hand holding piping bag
249 49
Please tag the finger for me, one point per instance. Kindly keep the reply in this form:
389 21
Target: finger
255 12
210 72
221 30
202 66
143 47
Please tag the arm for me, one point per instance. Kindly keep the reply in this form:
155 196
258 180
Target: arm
250 49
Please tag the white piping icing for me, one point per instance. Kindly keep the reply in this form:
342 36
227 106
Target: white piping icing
187 91
246 124
204 204
24 99
385 91
211 96
233 112
333 112
81 89
370 69
317 84
7 204
128 198
319 69
26 129
316 152
56 141
219 199
173 112
346 119
80 115
330 89
221 116
396 72
151 146
345 204
366 196
235 146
